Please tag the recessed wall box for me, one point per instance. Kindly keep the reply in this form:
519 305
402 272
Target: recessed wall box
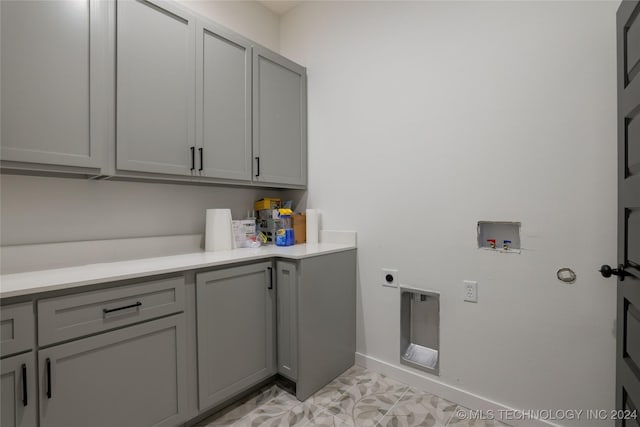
420 329
499 236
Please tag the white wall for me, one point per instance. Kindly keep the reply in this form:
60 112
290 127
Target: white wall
249 18
51 210
425 117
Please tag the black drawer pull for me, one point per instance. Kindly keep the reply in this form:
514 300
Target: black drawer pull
201 160
48 378
24 384
111 310
257 167
193 158
270 278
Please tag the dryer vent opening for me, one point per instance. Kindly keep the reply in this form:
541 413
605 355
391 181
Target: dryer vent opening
420 329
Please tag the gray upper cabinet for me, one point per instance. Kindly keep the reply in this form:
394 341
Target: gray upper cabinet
223 103
236 330
146 88
279 119
18 391
55 62
131 377
155 87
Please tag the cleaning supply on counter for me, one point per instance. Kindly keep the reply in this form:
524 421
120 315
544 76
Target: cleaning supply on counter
244 233
268 221
285 234
268 203
268 228
312 226
218 230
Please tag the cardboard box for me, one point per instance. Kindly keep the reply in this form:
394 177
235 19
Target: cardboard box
299 227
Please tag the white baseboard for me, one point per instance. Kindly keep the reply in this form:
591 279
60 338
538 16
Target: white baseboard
446 391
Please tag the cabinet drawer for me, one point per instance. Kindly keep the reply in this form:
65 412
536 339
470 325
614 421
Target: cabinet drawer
16 328
72 316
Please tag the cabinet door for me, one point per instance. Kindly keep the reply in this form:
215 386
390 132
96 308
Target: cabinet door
279 119
287 309
223 112
236 318
18 391
130 377
155 87
54 66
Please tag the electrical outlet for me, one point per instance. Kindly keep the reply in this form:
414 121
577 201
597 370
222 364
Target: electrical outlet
390 277
470 291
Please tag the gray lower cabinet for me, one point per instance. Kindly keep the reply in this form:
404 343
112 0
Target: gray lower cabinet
133 376
18 391
318 297
55 62
279 119
155 88
223 103
287 332
236 326
250 322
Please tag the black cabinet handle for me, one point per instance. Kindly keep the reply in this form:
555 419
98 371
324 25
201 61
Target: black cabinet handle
24 384
257 166
270 277
201 159
48 378
193 158
111 310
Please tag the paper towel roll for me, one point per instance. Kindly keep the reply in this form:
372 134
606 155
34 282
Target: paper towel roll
312 226
219 230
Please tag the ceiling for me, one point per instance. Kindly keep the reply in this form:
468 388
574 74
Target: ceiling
280 6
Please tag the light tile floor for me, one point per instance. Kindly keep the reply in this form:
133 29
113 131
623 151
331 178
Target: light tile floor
356 398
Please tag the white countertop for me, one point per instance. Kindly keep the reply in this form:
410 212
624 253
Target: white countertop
12 285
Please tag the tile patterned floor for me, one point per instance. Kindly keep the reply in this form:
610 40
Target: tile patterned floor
358 398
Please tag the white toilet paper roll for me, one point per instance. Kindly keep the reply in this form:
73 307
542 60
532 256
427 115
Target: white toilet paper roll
312 226
219 230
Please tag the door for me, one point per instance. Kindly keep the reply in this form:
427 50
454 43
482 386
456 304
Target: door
223 103
155 88
18 391
236 323
129 377
287 280
628 329
55 63
279 119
